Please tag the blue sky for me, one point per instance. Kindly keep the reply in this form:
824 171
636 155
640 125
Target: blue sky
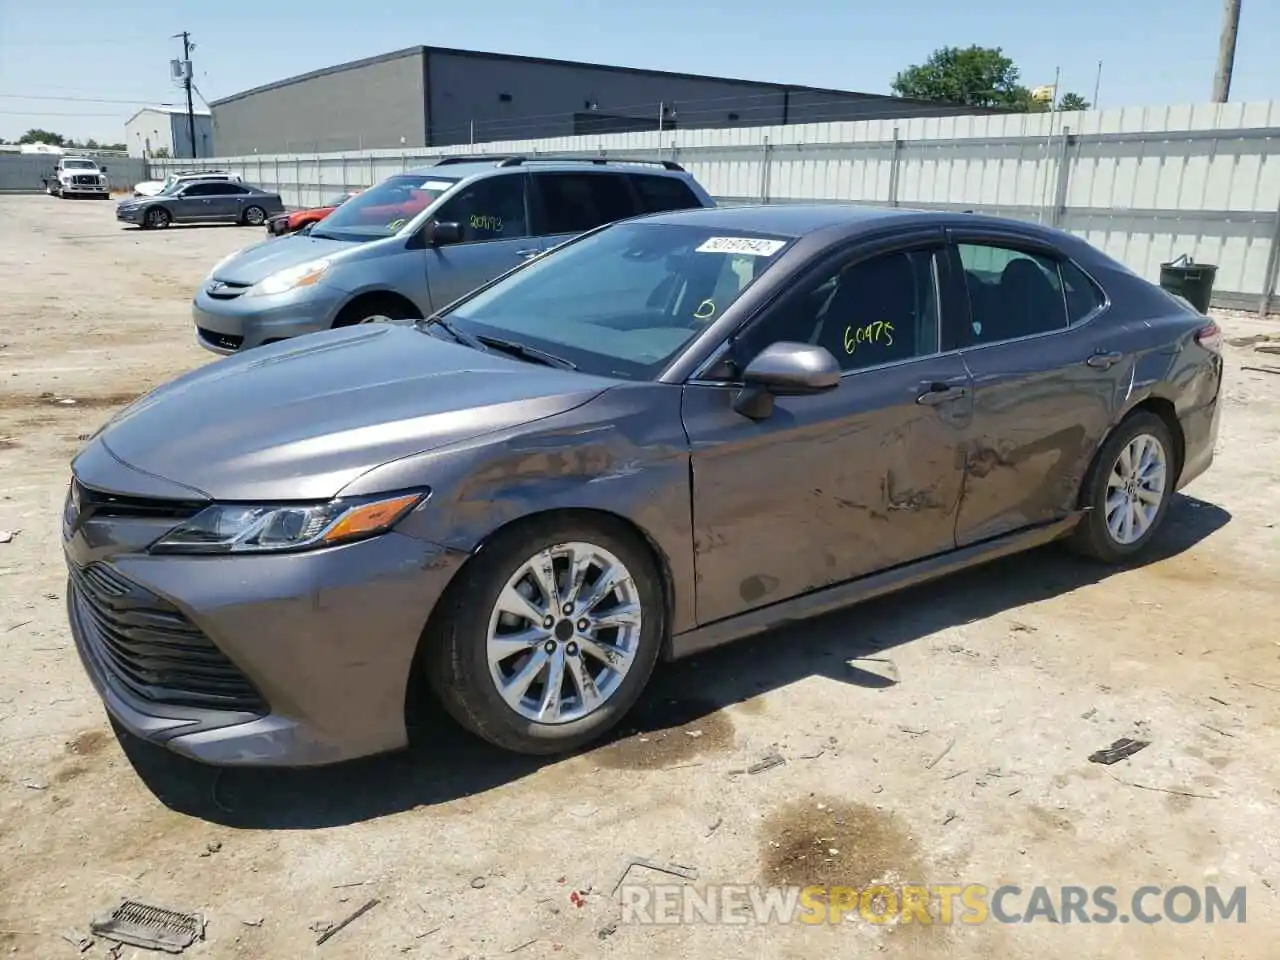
1153 51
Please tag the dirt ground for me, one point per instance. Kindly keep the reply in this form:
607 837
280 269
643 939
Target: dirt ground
938 736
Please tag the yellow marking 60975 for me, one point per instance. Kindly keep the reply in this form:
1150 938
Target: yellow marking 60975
875 332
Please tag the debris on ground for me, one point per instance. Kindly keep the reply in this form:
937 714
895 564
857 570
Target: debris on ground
607 931
674 869
155 928
715 826
78 940
1089 714
351 918
951 815
913 732
6 536
211 848
1122 749
768 762
478 883
945 750
34 784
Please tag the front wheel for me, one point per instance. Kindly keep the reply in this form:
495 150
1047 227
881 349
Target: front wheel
255 216
551 637
157 218
1127 490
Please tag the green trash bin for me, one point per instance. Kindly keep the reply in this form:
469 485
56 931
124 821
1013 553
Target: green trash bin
1190 280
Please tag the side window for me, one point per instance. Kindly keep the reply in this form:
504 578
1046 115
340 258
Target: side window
866 313
489 209
577 202
1011 293
663 193
1083 295
201 189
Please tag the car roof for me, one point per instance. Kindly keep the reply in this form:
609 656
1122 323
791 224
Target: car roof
799 219
463 170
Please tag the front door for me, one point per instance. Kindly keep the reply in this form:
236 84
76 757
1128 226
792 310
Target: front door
224 201
1050 368
842 484
493 214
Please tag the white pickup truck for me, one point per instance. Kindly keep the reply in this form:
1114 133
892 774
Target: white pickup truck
78 177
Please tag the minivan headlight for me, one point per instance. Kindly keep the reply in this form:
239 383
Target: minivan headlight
303 275
246 528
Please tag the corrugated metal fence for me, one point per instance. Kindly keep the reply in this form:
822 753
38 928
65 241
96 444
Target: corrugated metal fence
1144 184
22 172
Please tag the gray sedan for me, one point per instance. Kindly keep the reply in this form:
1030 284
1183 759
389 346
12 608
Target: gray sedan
662 436
201 201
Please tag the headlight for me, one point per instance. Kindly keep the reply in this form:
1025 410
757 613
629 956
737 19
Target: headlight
240 528
303 275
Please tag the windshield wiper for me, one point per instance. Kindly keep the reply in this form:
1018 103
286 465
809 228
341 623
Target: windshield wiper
526 352
465 339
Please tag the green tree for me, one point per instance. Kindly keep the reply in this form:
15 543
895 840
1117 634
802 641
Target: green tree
36 135
970 76
1073 101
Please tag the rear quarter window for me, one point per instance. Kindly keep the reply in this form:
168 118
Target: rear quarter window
1082 294
663 193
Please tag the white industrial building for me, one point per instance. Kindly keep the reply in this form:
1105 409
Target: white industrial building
165 130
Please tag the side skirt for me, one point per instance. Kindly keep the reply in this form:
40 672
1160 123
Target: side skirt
865 588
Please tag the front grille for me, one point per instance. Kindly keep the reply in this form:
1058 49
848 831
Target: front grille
227 341
85 179
225 290
152 650
98 503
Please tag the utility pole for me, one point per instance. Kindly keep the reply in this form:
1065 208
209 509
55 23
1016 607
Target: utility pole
1226 52
187 73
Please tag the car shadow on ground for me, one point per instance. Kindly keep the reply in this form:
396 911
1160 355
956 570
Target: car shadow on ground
445 763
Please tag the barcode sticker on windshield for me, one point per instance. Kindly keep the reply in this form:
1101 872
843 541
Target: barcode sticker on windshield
436 185
751 246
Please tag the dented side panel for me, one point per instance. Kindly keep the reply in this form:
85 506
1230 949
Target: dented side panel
1040 413
828 488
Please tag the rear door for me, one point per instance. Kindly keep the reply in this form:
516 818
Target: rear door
567 204
493 213
191 203
226 200
1050 368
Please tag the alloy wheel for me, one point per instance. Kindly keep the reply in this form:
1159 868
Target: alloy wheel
564 633
1136 488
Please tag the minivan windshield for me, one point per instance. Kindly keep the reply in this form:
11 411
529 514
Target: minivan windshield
624 301
382 210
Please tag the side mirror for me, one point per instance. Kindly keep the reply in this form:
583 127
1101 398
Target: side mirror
103 169
785 369
306 228
443 234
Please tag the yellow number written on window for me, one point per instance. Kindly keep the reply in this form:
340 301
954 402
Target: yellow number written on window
877 332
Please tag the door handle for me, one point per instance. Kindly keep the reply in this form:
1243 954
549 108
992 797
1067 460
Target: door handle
1104 360
941 393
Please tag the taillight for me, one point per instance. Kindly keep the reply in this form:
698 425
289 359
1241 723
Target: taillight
1210 337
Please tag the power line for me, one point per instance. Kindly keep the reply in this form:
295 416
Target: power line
126 103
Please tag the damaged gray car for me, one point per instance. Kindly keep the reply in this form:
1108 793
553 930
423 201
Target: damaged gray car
667 434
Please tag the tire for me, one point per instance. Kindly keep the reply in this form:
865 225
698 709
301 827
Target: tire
458 663
254 217
1097 538
374 310
157 218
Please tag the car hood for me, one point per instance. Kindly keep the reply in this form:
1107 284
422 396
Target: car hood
302 419
254 264
149 187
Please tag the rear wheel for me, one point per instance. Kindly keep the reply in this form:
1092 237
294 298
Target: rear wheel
255 216
157 218
1127 490
550 637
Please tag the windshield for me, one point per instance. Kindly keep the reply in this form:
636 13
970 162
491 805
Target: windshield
622 302
382 210
337 201
79 165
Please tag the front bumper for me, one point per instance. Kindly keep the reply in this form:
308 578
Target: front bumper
89 189
289 660
129 215
227 326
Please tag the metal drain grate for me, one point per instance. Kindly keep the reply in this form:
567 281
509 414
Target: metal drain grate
142 925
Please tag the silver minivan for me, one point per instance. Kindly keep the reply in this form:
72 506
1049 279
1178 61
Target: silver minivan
419 240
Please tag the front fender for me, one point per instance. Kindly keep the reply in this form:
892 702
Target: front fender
624 452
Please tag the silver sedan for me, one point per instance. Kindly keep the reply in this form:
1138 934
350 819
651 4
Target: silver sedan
202 201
